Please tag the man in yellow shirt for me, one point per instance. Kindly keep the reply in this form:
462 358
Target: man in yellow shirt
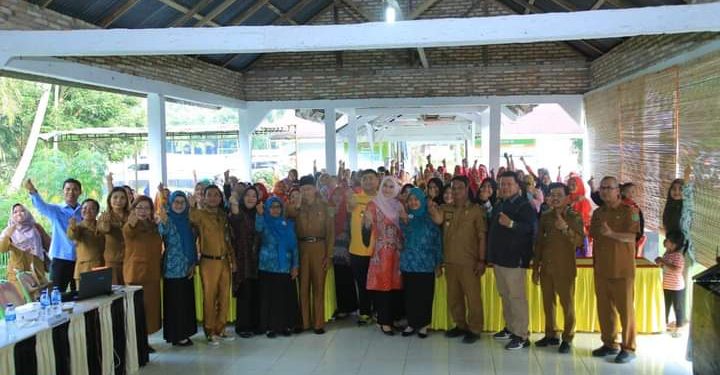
360 253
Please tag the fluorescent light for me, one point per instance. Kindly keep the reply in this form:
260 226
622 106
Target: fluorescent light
390 14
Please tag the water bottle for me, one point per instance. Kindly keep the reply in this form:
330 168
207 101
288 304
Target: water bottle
10 319
44 304
56 300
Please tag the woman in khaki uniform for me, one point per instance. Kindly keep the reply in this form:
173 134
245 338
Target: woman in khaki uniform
111 224
90 242
143 253
27 242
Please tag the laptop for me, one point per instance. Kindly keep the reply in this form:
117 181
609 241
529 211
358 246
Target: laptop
92 284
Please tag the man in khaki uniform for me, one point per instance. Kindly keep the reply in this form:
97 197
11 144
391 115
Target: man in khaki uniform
216 263
613 228
560 232
464 227
315 230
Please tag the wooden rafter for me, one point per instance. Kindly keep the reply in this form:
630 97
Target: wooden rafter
565 5
242 17
355 8
597 4
215 12
280 14
112 17
190 13
527 10
182 9
620 3
46 3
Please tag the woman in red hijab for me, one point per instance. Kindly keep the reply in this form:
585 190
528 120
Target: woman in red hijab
582 206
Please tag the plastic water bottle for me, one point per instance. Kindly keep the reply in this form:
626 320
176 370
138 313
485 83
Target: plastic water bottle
10 319
56 300
44 305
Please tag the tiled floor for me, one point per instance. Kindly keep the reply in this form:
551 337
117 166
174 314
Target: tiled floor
348 349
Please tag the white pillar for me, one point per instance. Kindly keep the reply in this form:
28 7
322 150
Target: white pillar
156 140
330 152
485 137
495 117
470 153
249 120
352 140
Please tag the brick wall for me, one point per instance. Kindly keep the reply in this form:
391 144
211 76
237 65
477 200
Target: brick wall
641 52
181 70
516 69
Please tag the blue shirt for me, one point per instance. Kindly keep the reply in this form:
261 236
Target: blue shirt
270 252
59 215
422 247
180 252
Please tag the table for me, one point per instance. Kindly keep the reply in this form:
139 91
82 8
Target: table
83 342
649 306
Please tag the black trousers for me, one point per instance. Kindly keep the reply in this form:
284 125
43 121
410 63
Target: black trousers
345 291
278 302
179 320
676 300
247 305
62 274
388 305
419 292
360 265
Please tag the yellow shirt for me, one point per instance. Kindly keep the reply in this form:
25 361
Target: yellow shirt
356 243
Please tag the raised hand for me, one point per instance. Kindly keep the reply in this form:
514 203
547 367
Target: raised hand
72 222
132 219
403 214
560 223
260 209
162 216
226 176
29 186
505 220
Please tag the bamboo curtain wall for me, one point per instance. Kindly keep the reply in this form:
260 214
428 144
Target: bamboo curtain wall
648 129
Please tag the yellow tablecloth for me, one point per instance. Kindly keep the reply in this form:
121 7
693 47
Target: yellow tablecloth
649 307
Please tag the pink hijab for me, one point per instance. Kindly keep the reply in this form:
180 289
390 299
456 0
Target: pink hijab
26 236
390 207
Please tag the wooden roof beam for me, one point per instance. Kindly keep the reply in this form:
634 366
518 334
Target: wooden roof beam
184 10
190 13
417 12
242 17
119 12
215 12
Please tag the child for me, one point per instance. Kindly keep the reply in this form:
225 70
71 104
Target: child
279 267
673 263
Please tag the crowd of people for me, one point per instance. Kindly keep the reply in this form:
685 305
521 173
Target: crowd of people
385 234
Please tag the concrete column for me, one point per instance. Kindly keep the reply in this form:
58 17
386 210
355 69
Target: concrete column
494 136
249 120
485 137
352 141
330 151
156 140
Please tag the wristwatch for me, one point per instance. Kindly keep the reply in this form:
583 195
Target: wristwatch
512 224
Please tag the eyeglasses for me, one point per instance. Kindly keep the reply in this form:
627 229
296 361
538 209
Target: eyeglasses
142 208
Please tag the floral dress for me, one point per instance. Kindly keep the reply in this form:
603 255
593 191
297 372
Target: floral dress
384 270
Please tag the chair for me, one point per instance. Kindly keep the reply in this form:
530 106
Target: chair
30 285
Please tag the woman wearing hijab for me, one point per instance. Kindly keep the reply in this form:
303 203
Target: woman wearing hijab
27 242
245 278
581 205
278 268
345 292
384 278
179 260
420 261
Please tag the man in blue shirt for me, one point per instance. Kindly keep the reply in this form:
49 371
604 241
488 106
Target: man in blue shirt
62 249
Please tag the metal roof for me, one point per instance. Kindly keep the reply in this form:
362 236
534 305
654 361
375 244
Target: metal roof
134 14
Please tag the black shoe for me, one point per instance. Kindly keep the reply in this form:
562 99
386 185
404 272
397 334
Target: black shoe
517 343
408 332
455 332
564 347
271 334
246 334
389 332
504 334
604 351
151 349
422 333
624 357
319 331
470 338
185 342
545 341
287 332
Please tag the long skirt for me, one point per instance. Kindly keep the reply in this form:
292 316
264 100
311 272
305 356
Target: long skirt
248 307
345 292
278 302
180 321
419 291
388 305
151 300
